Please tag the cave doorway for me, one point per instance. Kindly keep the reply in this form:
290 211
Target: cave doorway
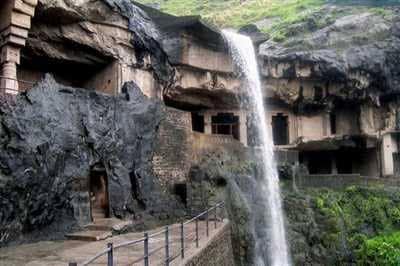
99 203
280 129
197 122
180 190
332 121
318 162
344 162
396 163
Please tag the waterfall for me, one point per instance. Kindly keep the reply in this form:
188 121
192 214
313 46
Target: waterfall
244 57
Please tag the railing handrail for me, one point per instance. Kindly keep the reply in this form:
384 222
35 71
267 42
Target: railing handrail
145 240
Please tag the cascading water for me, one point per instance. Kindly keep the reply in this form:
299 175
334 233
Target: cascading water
244 56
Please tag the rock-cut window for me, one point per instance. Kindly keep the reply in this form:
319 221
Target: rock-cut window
226 124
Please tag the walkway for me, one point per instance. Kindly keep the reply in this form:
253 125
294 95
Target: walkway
53 253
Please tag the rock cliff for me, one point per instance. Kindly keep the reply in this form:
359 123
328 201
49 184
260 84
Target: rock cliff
352 58
53 136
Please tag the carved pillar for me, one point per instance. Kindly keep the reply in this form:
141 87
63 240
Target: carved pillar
207 123
9 59
15 22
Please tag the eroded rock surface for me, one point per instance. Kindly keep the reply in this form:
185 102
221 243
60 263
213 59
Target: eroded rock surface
353 58
53 136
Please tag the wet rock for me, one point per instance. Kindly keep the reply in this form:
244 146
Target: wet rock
254 33
53 136
146 38
242 226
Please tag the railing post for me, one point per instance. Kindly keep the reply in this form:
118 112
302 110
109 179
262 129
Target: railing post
110 259
166 246
182 241
197 233
215 216
146 249
72 264
207 227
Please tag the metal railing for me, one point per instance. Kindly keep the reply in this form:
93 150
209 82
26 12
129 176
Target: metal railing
168 255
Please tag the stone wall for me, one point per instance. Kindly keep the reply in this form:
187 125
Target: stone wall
341 181
217 250
172 159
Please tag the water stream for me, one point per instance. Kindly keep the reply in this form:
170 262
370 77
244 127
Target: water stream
244 57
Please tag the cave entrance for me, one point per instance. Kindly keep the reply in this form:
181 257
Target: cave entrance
180 190
344 162
101 76
99 204
318 162
396 163
197 122
280 130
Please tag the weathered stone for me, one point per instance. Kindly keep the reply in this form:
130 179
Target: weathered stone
355 57
54 135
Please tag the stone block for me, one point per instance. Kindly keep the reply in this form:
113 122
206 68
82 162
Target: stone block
31 2
24 8
10 54
12 39
16 31
21 20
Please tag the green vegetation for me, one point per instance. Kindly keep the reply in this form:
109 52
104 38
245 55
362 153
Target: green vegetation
358 219
277 14
281 19
381 250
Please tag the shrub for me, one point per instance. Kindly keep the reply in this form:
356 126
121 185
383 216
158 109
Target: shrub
380 250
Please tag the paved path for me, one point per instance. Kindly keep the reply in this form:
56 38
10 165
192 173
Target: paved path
53 253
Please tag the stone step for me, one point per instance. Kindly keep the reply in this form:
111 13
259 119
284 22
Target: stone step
108 224
97 216
98 213
89 235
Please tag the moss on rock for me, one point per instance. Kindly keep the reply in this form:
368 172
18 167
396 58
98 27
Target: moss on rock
338 222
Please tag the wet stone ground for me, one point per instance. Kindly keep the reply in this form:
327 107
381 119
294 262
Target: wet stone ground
46 253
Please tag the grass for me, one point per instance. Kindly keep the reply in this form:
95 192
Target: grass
278 15
233 13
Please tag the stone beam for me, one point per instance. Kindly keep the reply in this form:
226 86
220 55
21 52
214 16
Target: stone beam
15 24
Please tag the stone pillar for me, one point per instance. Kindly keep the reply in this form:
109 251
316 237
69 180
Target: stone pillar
9 60
388 147
15 22
207 123
243 127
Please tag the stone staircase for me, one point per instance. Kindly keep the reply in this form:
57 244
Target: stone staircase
101 228
98 213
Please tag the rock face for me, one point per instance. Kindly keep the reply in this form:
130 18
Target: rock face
146 38
51 139
181 59
353 58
